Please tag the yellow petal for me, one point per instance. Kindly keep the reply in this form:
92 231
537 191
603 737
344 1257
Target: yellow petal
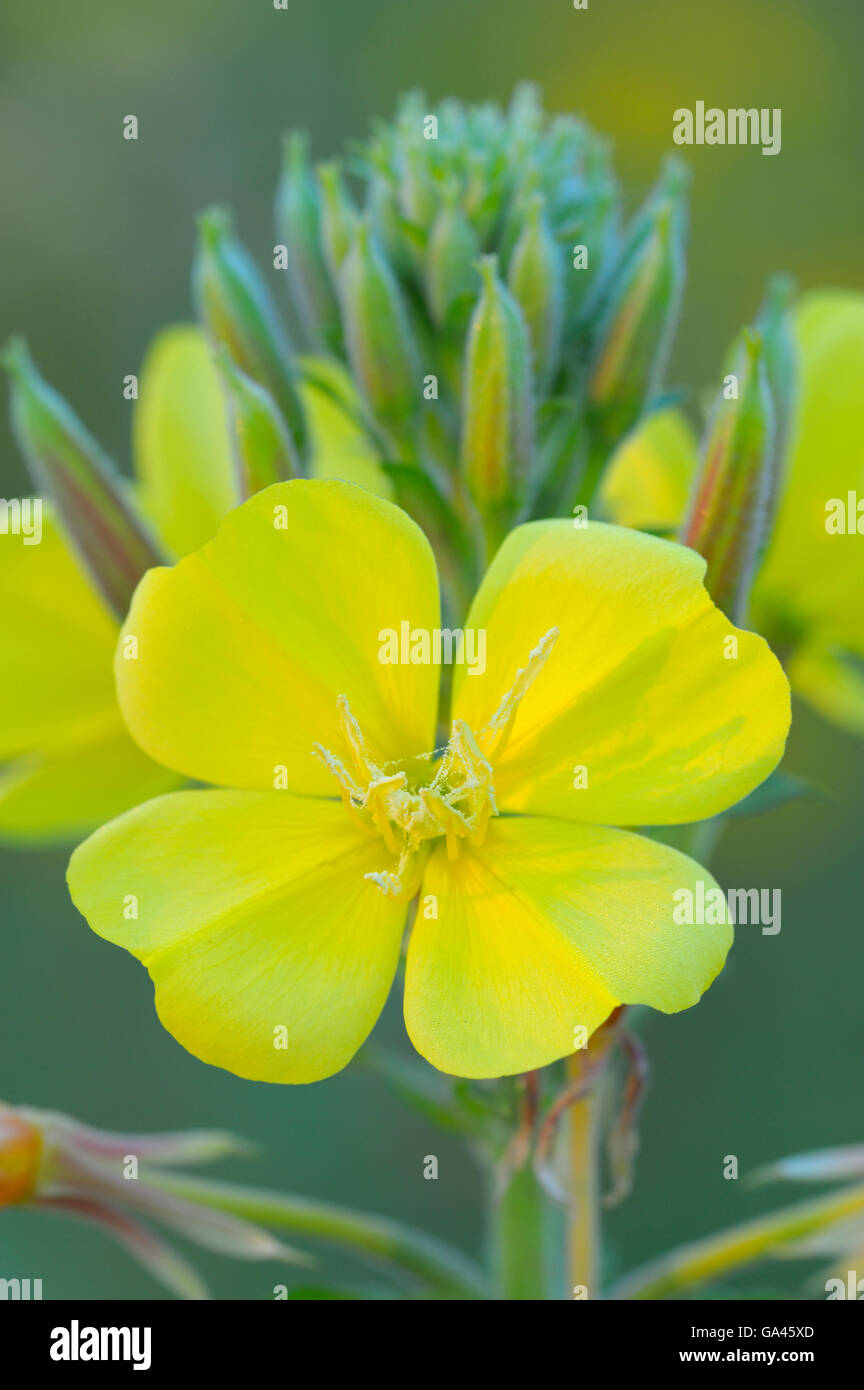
244 647
60 793
643 689
648 480
181 441
338 448
542 932
812 579
270 953
56 645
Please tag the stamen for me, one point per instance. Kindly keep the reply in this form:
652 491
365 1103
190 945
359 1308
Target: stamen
494 737
457 803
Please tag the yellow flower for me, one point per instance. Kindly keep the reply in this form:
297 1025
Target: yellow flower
67 763
807 595
270 911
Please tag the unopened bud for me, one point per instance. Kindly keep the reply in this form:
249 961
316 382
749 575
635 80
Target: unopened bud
728 515
236 309
536 280
265 451
20 1155
298 224
451 258
417 191
635 331
338 216
91 499
497 406
774 323
378 335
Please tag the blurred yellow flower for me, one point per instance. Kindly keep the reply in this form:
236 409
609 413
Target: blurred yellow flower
807 595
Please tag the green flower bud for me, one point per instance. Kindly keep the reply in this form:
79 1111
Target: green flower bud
535 278
497 405
265 451
417 193
594 226
774 322
519 208
728 517
298 225
92 501
451 258
635 330
338 216
378 337
386 220
237 311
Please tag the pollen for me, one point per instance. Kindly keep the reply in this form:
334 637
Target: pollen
447 794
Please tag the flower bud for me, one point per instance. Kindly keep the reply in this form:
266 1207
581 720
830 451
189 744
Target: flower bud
298 225
235 307
378 336
386 220
728 517
595 226
20 1155
634 334
53 1161
265 451
774 322
416 190
451 258
338 216
497 405
536 281
92 501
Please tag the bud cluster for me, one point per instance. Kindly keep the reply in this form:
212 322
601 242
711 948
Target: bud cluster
474 306
469 266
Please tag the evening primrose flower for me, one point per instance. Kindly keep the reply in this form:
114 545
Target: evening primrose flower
58 1164
270 910
806 595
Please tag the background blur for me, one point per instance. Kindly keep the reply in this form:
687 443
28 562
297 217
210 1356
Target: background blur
96 237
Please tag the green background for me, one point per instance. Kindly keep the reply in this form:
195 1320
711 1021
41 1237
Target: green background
96 237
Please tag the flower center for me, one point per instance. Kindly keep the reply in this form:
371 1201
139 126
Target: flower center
446 793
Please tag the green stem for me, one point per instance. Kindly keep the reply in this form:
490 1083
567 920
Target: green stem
522 1239
445 1270
584 1237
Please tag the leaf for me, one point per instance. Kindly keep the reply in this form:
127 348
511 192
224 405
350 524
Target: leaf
419 1086
776 790
819 1165
826 1222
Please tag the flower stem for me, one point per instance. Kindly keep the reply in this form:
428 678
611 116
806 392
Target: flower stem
520 1238
584 1218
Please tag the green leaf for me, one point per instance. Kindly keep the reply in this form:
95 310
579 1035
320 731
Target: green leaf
776 790
781 1234
425 1090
